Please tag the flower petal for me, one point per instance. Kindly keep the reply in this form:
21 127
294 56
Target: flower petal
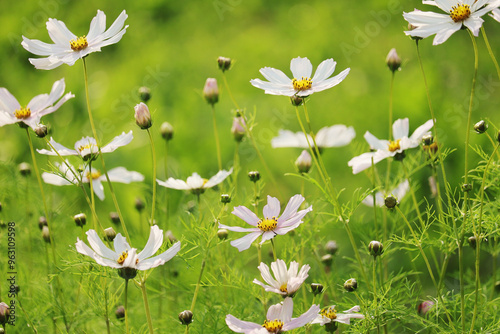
174 184
324 70
59 33
246 241
301 68
122 175
217 178
246 214
304 319
272 208
118 141
335 136
99 247
291 207
158 260
400 128
154 243
240 326
276 76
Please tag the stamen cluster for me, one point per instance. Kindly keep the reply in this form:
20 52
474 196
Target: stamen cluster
460 12
79 44
22 113
267 224
273 326
303 84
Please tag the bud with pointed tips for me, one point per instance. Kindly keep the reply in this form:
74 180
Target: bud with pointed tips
304 162
186 317
254 176
211 91
41 130
167 131
351 285
481 127
142 116
109 234
238 128
80 219
24 168
145 93
224 63
393 60
376 248
316 288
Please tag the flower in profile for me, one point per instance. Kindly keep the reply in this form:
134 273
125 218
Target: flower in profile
495 13
328 315
87 148
123 256
398 192
278 320
11 111
68 47
389 148
70 175
459 13
286 281
271 225
331 136
195 183
302 84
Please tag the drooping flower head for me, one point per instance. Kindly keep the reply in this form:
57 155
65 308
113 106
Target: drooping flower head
286 281
11 111
71 175
331 136
271 225
329 315
278 320
459 13
389 148
301 84
87 148
68 47
124 257
195 183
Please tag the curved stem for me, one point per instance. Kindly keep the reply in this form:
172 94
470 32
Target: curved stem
153 201
492 55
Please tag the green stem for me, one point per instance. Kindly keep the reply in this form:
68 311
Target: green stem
375 301
146 305
106 314
390 104
197 289
126 307
153 154
374 195
274 250
216 134
92 196
490 51
229 91
166 189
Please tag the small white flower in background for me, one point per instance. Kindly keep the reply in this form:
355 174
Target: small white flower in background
286 281
329 315
495 13
301 84
331 136
399 192
87 148
124 256
11 111
271 225
458 13
195 183
278 319
67 177
68 47
389 148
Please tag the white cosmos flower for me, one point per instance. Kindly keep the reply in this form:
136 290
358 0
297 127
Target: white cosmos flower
124 256
68 47
495 13
331 136
87 148
195 183
271 225
389 148
458 13
286 281
67 177
399 192
301 84
329 315
278 319
11 111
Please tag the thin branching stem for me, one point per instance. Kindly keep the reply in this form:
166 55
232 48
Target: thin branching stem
153 200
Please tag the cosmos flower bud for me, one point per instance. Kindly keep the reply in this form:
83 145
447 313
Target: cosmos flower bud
393 60
144 93
254 176
139 204
428 139
376 248
211 91
316 288
42 221
472 242
481 127
224 63
466 187
24 168
186 317
80 219
424 307
4 313
41 130
109 234
351 284
46 234
120 312
296 100
304 162
115 219
142 116
222 234
327 259
170 236
238 128
390 202
331 247
225 198
167 131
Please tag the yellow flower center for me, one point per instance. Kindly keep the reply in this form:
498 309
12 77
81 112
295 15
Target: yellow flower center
93 175
22 113
267 224
86 147
122 257
460 12
273 326
329 313
394 145
79 44
303 84
283 288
